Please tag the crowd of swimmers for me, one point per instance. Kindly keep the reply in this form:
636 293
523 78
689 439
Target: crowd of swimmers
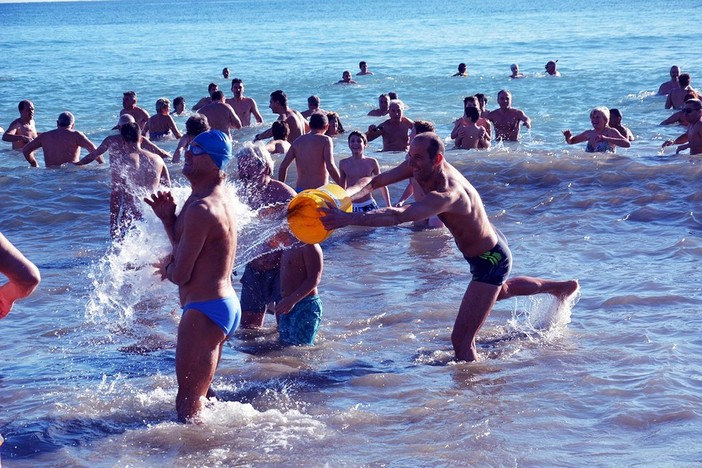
285 282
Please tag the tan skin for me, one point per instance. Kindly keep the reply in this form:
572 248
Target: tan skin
383 107
162 123
507 119
395 130
296 122
22 276
601 132
129 106
456 202
313 154
203 237
244 107
692 139
221 116
115 144
21 131
300 274
359 166
61 145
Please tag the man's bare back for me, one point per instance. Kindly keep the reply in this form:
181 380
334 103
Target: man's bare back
311 153
61 145
220 116
296 122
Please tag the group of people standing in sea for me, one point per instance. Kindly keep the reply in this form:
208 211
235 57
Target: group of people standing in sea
285 282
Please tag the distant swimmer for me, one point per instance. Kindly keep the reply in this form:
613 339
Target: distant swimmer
507 120
211 88
279 144
692 139
668 86
179 106
395 130
129 106
225 73
383 106
161 124
116 145
260 283
676 97
358 166
515 71
602 138
346 78
134 172
61 145
471 135
296 122
313 103
462 70
22 130
335 125
363 67
551 68
220 115
457 203
313 155
243 106
23 276
615 121
195 125
204 237
465 120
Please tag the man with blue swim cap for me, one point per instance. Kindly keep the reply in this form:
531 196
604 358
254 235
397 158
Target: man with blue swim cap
204 239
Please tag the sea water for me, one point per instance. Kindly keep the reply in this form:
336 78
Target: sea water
87 375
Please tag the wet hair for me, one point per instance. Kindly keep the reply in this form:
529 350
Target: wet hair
130 132
615 113
361 135
130 93
65 119
280 97
684 79
392 95
22 105
691 95
551 63
423 126
237 81
482 100
514 67
362 64
502 91
602 109
318 121
197 124
217 95
259 154
469 99
314 100
339 126
211 86
461 67
435 144
178 100
473 113
280 130
696 103
161 103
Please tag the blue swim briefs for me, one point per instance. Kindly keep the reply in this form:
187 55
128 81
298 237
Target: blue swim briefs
224 312
300 325
495 265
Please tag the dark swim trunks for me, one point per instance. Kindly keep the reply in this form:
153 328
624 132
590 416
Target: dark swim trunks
494 266
300 325
258 288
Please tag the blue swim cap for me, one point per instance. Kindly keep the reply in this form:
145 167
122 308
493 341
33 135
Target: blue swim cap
217 144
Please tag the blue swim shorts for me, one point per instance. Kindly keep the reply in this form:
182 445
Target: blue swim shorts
495 265
258 288
300 325
224 312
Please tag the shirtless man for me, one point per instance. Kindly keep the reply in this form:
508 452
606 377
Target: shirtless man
383 106
357 167
313 106
115 144
668 86
161 124
260 283
346 78
244 106
23 276
676 97
219 114
515 71
129 106
468 102
395 130
21 131
363 66
225 73
691 139
507 119
615 121
179 106
462 70
279 144
551 69
296 122
313 154
211 88
203 236
450 196
471 135
134 172
61 145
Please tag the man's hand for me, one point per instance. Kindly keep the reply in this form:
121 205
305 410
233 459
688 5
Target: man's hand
163 205
334 218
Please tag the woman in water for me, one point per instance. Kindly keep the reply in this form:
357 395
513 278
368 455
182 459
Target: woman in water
602 138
